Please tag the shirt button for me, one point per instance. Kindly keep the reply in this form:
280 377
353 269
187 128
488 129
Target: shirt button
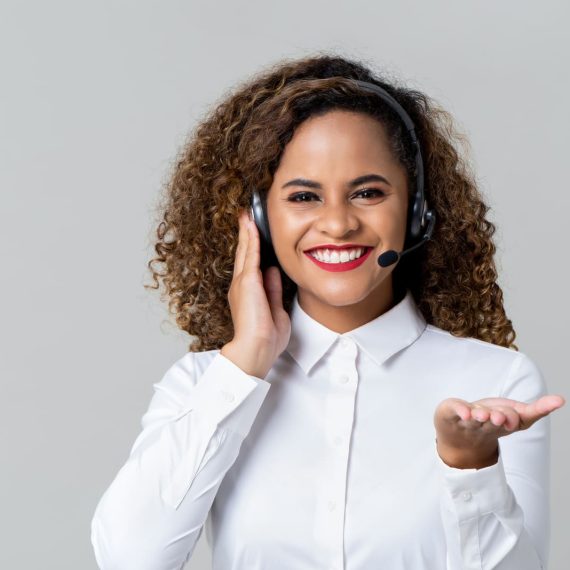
228 396
343 379
344 342
332 505
467 496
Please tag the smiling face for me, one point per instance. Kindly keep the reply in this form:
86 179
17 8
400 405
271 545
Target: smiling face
317 199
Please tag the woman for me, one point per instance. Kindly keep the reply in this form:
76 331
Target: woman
338 409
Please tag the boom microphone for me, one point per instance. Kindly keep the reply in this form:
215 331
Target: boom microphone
392 256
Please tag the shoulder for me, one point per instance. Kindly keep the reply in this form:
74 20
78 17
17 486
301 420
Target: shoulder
520 376
447 341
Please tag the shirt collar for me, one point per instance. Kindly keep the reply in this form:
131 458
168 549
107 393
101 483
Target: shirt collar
380 338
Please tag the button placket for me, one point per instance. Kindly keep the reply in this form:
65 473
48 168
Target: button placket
347 345
343 378
346 361
340 416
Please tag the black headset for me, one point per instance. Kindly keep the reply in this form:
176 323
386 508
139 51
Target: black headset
420 218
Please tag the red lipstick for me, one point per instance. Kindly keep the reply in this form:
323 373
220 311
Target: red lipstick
334 267
338 246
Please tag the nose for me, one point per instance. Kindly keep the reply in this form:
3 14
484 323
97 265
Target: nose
336 219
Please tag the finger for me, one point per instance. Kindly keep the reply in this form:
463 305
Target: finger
555 399
490 421
497 417
274 288
549 403
531 413
512 418
492 402
480 413
243 238
251 262
456 409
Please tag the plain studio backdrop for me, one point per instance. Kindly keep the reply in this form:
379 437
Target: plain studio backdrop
97 97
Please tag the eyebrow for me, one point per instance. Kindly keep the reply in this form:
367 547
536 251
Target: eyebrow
352 184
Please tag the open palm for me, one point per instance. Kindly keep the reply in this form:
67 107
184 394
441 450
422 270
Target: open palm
467 432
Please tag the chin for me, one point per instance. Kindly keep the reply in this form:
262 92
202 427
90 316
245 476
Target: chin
337 296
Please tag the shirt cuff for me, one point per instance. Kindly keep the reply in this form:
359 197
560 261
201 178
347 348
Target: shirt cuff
228 397
474 492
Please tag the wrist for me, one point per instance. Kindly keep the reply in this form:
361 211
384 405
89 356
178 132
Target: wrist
464 458
250 362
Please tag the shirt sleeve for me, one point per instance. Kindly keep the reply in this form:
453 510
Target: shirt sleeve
152 514
498 517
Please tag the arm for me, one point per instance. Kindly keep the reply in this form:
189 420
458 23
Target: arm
497 516
151 515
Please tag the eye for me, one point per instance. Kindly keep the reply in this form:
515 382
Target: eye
296 197
371 193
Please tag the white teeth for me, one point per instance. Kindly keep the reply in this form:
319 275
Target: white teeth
335 256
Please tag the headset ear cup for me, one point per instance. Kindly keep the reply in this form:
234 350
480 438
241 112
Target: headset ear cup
259 215
264 224
416 221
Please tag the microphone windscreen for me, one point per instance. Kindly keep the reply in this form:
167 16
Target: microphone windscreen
388 257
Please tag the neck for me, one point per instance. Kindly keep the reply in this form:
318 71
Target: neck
344 318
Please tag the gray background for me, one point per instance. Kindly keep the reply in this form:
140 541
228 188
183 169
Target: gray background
96 99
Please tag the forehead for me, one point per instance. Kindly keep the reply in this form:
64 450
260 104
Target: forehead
340 143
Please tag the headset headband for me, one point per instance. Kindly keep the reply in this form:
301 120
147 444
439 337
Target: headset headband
372 87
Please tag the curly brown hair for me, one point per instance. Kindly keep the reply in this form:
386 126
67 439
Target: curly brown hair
237 147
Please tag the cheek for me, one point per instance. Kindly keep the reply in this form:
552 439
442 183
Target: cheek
392 220
286 232
385 222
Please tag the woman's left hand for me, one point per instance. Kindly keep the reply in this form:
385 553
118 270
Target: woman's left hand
468 433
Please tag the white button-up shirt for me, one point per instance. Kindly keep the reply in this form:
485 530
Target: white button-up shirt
330 461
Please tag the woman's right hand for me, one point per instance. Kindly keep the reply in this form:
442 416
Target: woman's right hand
262 327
